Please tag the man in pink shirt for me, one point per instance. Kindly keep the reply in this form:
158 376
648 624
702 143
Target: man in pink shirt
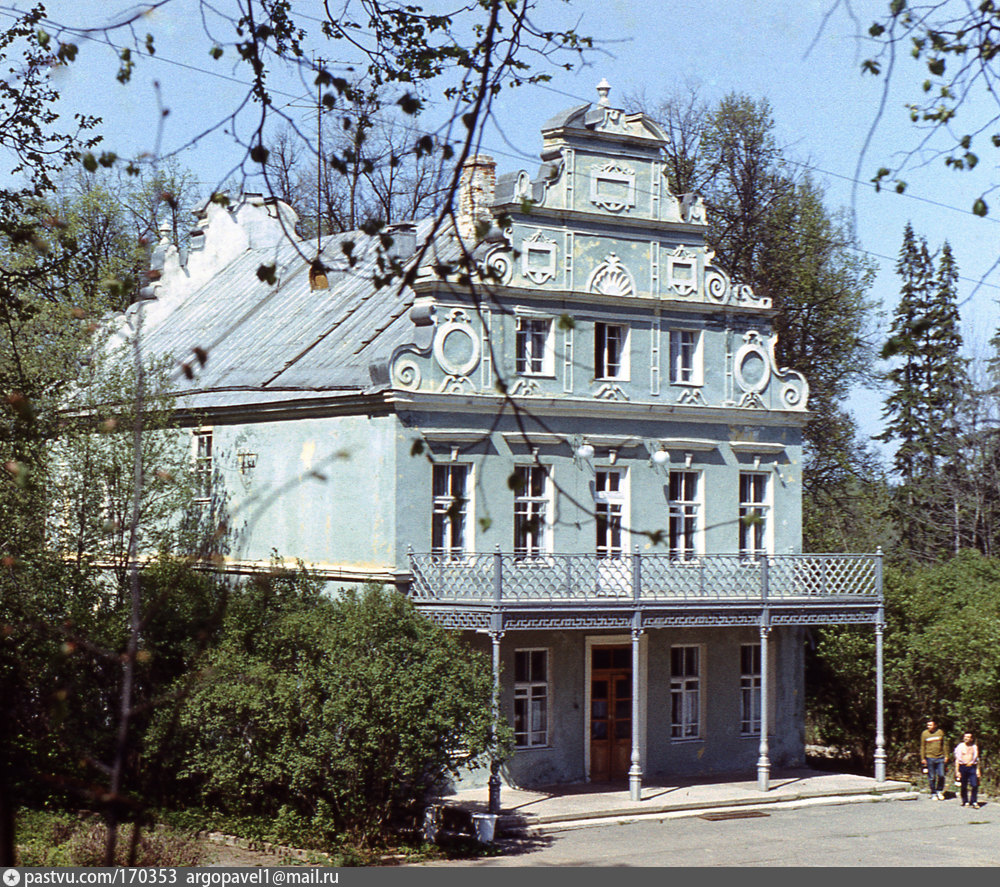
967 769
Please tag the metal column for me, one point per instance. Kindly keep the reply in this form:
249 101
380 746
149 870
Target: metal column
494 781
635 771
764 761
879 715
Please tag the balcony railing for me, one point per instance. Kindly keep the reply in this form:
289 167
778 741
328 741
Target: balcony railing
507 578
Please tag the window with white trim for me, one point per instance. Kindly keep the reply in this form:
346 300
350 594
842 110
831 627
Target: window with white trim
750 689
533 347
754 513
449 520
685 692
685 357
611 351
609 506
203 464
684 514
531 698
531 509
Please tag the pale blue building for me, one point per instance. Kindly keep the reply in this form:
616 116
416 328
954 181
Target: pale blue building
584 456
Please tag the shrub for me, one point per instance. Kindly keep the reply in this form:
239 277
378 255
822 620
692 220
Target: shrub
333 716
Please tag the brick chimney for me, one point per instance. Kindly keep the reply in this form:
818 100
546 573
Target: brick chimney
476 189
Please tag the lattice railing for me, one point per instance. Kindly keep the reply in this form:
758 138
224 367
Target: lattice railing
644 577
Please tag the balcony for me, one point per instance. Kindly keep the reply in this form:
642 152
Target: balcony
640 580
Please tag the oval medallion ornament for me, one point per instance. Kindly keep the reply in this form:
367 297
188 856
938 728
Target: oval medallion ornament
456 346
753 365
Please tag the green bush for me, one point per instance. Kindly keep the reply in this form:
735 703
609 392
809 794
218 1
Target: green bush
333 716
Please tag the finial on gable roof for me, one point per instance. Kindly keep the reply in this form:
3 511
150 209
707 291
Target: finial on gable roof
603 88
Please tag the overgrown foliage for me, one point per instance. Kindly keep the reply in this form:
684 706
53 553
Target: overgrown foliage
942 660
334 716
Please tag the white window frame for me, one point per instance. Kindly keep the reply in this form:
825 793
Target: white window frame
604 351
442 509
610 513
750 682
533 505
686 689
526 692
534 346
755 538
686 357
203 456
684 509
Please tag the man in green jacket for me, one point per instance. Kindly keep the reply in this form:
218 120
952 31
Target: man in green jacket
934 754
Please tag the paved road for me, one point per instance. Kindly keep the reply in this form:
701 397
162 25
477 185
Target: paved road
894 833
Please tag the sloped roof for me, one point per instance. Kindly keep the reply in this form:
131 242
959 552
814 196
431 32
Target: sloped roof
262 338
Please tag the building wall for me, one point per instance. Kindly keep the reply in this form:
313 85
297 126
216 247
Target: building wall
721 749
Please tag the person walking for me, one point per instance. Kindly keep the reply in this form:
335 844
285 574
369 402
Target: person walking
967 769
934 756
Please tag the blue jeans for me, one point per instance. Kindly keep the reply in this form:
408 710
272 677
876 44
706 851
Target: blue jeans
970 779
935 774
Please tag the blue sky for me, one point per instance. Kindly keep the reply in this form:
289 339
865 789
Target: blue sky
823 109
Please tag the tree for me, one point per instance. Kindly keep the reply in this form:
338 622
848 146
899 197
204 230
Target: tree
336 715
957 43
925 406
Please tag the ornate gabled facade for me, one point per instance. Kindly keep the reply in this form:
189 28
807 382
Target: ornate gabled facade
584 456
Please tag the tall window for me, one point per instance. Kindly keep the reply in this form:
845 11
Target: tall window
531 698
685 357
533 351
683 504
685 692
531 501
750 689
203 466
610 355
753 514
609 502
451 508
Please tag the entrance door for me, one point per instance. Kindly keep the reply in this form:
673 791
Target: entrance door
610 713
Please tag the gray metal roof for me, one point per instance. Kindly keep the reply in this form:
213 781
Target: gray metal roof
287 337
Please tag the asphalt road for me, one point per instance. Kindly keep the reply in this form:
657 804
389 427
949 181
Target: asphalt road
893 833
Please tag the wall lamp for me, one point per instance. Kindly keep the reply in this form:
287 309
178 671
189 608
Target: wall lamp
583 453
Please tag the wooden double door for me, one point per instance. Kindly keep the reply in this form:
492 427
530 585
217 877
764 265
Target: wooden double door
610 712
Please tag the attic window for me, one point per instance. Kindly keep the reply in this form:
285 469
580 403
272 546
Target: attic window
317 276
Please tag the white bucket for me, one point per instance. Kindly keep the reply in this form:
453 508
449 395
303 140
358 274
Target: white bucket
485 825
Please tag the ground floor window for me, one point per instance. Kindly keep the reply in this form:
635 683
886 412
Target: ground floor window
750 689
531 698
685 692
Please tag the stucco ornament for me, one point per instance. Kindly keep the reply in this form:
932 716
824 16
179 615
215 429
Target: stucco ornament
612 186
456 345
611 278
610 391
524 388
719 288
692 396
406 374
682 271
538 258
497 265
754 366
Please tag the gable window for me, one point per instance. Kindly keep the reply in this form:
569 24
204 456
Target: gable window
531 504
203 465
685 357
753 514
531 698
750 689
685 692
610 351
684 514
533 347
609 503
450 510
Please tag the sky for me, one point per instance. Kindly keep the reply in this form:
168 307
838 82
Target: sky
803 56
